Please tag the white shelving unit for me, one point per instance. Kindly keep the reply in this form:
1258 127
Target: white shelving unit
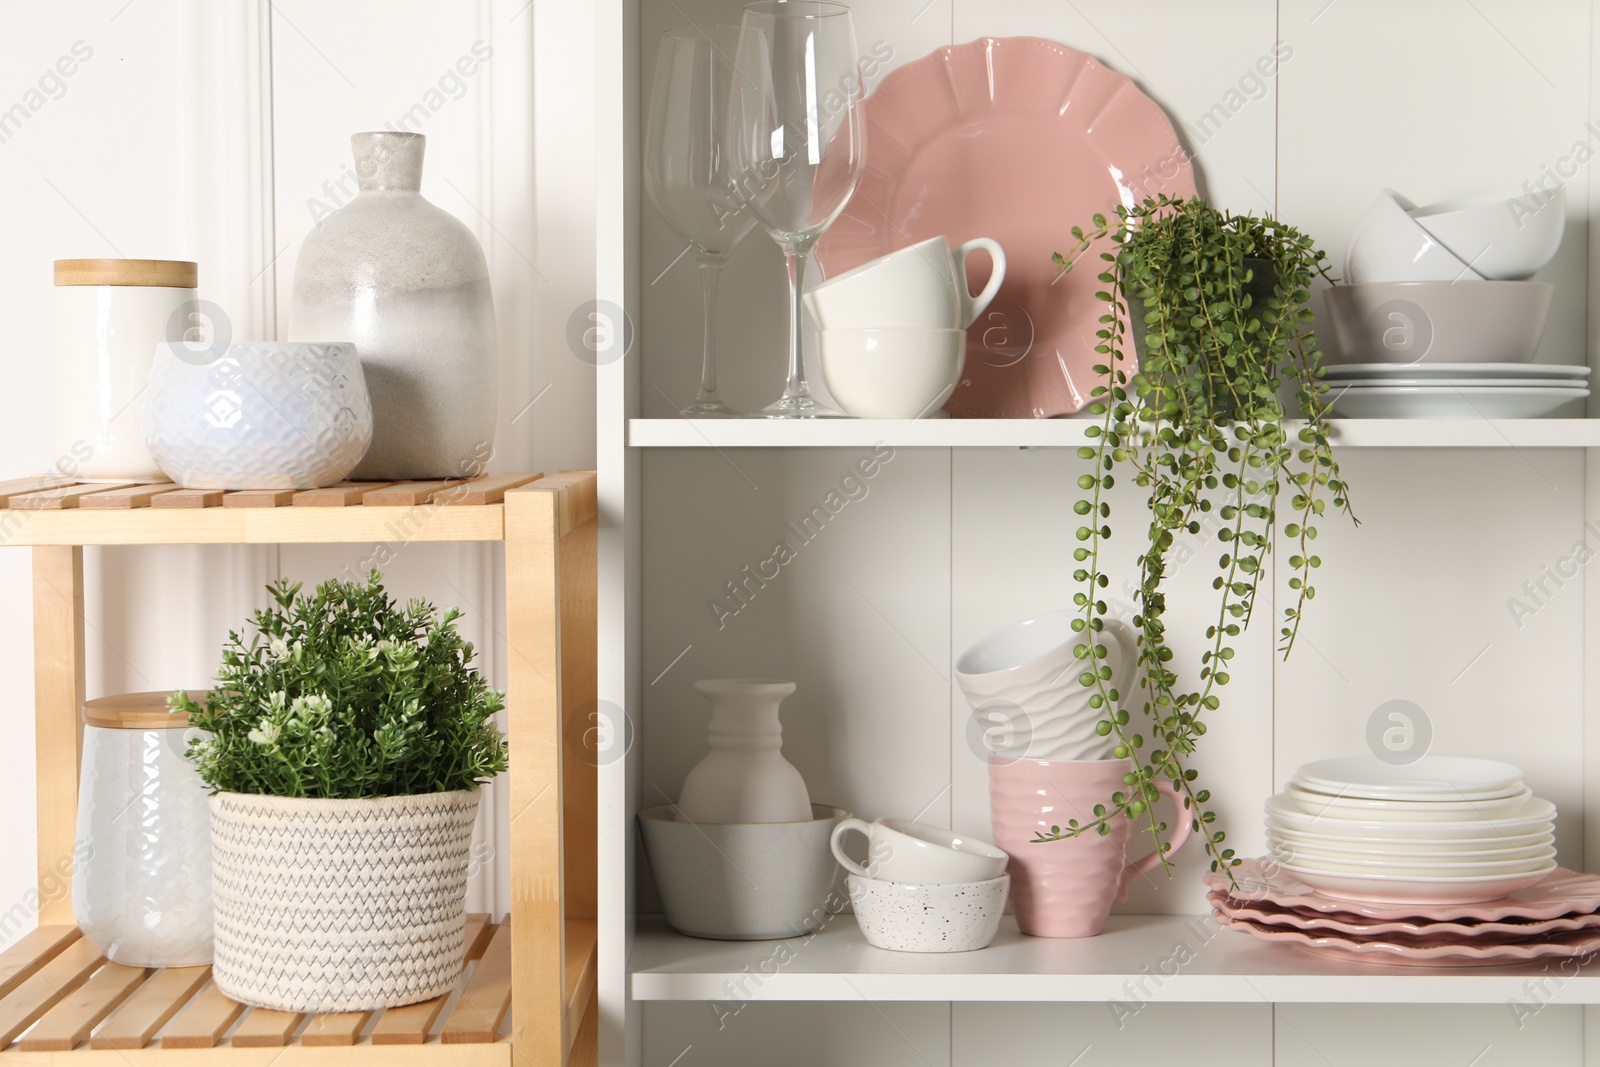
1062 433
838 965
1465 590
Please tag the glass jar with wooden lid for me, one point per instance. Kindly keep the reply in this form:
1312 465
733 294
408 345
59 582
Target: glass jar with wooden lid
141 890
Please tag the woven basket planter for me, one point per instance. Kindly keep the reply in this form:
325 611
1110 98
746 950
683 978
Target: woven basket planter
339 905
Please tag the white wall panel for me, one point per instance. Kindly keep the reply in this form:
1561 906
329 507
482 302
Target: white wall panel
859 618
1401 1035
1111 1035
797 1035
1436 100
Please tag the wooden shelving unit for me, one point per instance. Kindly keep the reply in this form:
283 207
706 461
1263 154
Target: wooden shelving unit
526 995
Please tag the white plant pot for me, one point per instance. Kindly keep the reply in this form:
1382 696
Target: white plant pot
340 905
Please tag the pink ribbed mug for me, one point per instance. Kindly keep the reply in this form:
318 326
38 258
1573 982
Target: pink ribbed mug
1066 888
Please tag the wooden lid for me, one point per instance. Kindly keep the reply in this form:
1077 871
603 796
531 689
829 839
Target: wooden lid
174 273
137 711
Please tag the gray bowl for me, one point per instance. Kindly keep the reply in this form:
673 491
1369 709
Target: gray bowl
1435 322
744 881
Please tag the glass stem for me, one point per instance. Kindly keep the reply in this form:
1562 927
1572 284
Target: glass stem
710 274
796 257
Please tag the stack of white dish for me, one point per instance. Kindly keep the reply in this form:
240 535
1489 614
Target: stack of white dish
1455 390
1439 320
1440 830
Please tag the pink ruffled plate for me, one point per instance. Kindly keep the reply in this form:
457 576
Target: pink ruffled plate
1355 925
1440 952
1018 139
1557 893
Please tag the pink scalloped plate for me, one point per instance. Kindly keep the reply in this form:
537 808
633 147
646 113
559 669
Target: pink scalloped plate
1357 926
1018 139
1444 953
1557 893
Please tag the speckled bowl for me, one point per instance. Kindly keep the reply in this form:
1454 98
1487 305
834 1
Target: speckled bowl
954 917
744 881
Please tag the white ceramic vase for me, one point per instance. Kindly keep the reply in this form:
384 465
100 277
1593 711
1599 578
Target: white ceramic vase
408 284
1023 682
744 777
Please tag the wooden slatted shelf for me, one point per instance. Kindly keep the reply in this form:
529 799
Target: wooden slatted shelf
526 995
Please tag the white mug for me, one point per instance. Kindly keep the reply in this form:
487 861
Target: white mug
921 286
1023 682
899 850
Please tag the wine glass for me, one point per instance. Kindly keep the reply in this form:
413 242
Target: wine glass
798 143
687 172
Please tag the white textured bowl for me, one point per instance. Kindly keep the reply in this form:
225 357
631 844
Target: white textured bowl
257 414
954 917
891 374
1388 245
1505 235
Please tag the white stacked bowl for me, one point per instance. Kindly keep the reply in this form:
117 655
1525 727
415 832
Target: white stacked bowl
1442 830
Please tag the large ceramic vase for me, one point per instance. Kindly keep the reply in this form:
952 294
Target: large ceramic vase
1066 888
744 777
408 284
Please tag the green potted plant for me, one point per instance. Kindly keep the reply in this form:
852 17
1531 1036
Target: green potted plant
1216 303
343 746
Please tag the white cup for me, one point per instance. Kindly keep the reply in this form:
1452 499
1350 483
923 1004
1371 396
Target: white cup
1023 682
891 374
899 850
921 286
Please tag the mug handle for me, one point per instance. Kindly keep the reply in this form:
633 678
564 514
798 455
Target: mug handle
864 829
1144 864
972 306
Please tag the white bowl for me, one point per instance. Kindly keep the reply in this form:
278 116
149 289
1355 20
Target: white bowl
1400 889
954 917
1504 235
891 374
1415 323
1320 806
1431 777
1537 815
1388 245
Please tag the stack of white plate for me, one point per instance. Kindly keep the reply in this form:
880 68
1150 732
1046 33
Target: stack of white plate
1453 390
1441 830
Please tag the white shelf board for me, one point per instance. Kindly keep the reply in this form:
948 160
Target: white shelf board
1060 433
1139 958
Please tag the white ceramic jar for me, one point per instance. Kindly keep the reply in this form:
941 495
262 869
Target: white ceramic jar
142 889
110 314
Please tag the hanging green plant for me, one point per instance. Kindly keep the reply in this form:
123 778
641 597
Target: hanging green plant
1216 304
